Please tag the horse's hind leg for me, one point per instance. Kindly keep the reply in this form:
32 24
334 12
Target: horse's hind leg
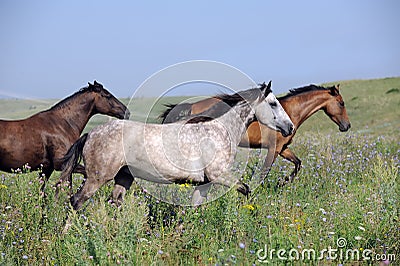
90 186
290 156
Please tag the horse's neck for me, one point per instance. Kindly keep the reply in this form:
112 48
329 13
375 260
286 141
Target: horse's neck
76 113
236 120
302 106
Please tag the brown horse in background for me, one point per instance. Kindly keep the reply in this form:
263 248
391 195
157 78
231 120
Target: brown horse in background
299 104
42 140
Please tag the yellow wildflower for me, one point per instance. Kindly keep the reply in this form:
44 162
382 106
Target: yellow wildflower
184 186
249 207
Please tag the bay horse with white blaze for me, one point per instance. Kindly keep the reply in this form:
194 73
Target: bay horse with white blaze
171 153
299 104
42 140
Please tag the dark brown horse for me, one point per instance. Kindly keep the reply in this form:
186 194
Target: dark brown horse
299 104
43 139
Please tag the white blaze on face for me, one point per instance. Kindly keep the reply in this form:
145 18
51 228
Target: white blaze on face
271 113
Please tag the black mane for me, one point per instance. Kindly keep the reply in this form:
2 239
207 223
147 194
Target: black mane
198 119
297 91
91 87
227 101
248 95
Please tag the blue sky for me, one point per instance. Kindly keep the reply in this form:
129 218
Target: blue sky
49 49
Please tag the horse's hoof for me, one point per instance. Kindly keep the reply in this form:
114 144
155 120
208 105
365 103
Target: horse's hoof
244 189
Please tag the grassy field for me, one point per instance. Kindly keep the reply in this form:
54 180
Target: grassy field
344 204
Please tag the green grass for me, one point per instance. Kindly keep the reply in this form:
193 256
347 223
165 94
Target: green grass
348 188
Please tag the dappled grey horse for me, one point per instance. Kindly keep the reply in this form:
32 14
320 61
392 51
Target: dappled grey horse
196 151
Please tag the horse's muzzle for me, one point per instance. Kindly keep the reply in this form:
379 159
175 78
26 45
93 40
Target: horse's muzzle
344 127
127 114
287 131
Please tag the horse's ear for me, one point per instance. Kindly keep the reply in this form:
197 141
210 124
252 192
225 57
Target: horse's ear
269 85
337 86
334 90
267 89
97 86
90 85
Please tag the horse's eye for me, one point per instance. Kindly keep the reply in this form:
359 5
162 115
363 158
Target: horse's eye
273 104
341 104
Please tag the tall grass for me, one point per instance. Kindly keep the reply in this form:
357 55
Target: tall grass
347 188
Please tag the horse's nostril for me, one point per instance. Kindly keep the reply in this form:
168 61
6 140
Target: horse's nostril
291 129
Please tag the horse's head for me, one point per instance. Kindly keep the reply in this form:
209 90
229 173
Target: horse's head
106 103
270 112
335 109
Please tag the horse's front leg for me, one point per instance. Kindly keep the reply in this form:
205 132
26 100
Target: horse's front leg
89 187
45 174
269 160
290 156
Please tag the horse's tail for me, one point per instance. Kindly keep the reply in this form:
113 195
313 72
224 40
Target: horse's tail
175 112
71 160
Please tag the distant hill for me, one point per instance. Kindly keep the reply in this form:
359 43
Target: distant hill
373 107
21 108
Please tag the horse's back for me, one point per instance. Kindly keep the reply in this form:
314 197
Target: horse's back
203 105
157 151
